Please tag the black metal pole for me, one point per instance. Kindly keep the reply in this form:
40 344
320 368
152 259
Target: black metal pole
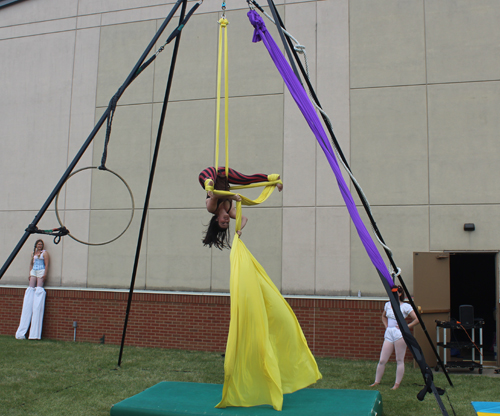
275 14
372 219
277 18
150 182
51 197
82 150
426 372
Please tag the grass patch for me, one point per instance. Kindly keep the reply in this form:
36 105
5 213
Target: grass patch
51 378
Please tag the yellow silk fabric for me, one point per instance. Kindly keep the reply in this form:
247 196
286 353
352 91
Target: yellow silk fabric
266 353
222 30
266 192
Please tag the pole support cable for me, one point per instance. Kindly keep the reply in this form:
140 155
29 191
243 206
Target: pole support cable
359 191
416 351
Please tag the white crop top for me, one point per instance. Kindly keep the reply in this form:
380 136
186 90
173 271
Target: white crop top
391 319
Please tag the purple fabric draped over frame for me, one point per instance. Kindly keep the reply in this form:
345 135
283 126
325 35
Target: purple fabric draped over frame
306 107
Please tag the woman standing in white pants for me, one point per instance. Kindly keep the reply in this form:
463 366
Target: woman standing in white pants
393 338
34 298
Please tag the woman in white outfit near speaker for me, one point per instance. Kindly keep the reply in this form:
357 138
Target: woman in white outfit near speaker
393 338
34 297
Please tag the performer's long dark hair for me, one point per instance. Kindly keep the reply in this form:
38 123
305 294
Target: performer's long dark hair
216 236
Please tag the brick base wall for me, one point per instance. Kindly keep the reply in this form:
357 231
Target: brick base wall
349 329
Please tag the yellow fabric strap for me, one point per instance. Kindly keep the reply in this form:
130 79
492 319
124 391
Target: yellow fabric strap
223 22
237 226
266 192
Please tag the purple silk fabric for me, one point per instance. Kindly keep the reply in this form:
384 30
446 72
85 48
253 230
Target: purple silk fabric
306 107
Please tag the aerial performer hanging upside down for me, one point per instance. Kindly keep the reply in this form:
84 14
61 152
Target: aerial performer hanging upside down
266 353
221 206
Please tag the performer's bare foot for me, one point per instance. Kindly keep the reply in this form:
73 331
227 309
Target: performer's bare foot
396 385
279 185
374 384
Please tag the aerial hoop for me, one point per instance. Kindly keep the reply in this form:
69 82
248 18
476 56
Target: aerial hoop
131 214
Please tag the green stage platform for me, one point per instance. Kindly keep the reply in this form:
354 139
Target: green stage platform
194 399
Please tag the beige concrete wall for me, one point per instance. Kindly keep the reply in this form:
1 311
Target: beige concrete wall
411 89
424 134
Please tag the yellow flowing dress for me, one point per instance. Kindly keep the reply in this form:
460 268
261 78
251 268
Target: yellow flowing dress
266 352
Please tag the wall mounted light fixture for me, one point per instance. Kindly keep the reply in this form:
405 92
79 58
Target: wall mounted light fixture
469 227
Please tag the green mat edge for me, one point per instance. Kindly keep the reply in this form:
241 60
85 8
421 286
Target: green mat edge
127 407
